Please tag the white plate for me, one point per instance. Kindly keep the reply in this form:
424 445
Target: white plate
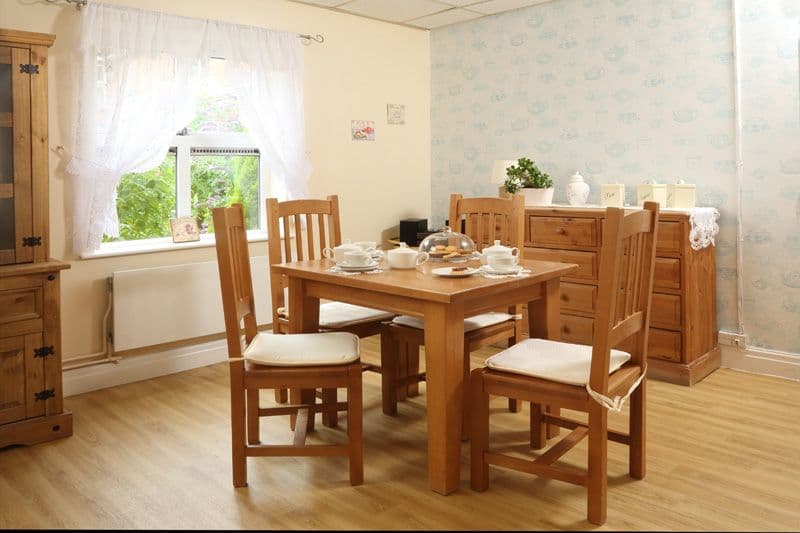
448 272
358 268
513 270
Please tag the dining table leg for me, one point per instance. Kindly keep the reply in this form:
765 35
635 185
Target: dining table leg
303 318
444 362
544 322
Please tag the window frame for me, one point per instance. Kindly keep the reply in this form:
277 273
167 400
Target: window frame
182 143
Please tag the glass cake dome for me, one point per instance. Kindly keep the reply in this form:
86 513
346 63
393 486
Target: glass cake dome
448 245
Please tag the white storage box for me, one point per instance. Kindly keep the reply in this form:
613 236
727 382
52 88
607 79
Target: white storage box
612 194
681 195
652 192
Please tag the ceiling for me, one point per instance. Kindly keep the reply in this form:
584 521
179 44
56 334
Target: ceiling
424 14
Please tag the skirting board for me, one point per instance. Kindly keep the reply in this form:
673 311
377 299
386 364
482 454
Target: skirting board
760 361
146 366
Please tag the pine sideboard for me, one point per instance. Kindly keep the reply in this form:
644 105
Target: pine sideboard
683 331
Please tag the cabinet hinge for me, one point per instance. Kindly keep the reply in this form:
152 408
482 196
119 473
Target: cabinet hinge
45 394
44 351
31 241
29 68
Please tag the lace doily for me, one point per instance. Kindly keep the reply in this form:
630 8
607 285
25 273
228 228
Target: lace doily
704 227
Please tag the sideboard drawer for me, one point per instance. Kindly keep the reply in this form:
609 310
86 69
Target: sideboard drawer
664 344
670 237
665 310
21 310
563 231
667 274
577 329
586 261
577 297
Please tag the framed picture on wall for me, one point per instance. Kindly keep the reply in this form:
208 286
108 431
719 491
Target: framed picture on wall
184 229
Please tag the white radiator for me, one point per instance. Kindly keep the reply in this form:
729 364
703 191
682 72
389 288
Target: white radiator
172 303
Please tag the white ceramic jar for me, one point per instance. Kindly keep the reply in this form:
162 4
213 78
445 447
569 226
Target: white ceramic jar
577 190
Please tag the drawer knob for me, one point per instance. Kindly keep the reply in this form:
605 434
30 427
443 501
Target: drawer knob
561 231
51 277
564 297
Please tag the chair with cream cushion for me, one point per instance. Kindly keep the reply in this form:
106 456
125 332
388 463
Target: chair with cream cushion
592 379
303 362
315 225
485 220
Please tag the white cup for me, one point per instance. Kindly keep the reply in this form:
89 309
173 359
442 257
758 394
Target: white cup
357 258
503 261
405 257
337 253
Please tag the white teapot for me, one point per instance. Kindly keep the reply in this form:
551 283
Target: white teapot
497 249
405 257
337 252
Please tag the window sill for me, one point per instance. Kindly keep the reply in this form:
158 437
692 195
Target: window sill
150 246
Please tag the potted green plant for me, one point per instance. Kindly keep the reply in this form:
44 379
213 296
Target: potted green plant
535 185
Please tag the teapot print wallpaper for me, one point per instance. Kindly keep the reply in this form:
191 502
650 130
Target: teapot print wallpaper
628 90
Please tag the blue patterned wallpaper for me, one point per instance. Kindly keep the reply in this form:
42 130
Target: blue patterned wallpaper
621 90
769 31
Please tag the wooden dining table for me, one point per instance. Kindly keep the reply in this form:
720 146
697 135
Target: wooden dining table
443 303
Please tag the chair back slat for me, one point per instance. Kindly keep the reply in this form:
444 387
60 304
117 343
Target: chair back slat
236 282
627 262
489 219
300 240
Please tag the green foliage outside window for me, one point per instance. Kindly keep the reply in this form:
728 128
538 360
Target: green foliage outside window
219 181
146 202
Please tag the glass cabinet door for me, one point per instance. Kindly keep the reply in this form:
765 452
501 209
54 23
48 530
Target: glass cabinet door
15 156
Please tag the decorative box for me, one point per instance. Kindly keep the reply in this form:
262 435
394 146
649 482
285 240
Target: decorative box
681 195
652 192
612 194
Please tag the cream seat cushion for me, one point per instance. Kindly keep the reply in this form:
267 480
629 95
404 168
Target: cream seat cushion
303 349
336 315
552 360
470 324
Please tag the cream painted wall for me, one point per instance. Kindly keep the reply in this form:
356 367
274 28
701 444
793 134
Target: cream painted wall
362 66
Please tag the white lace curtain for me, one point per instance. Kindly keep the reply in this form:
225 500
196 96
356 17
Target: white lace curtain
138 74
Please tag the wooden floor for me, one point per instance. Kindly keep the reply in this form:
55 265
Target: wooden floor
722 455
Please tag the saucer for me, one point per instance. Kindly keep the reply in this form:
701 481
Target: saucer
448 272
357 268
513 270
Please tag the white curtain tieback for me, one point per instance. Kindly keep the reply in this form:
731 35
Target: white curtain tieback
615 404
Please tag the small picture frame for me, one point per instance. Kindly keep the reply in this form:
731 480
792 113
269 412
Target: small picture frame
362 130
395 113
184 229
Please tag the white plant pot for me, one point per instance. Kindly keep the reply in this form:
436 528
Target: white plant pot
538 196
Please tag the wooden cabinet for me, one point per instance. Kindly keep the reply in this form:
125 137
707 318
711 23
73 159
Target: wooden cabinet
31 396
683 335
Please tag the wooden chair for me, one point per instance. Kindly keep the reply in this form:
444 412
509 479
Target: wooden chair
583 378
299 218
267 361
486 220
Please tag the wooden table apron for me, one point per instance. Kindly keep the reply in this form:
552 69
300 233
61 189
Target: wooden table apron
443 303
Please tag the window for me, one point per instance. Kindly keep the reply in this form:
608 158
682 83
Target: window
212 162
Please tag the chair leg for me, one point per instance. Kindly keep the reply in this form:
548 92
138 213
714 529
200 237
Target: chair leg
252 417
401 352
330 418
309 396
479 429
389 373
412 366
597 483
281 396
238 434
355 427
637 450
295 397
514 405
553 430
538 427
